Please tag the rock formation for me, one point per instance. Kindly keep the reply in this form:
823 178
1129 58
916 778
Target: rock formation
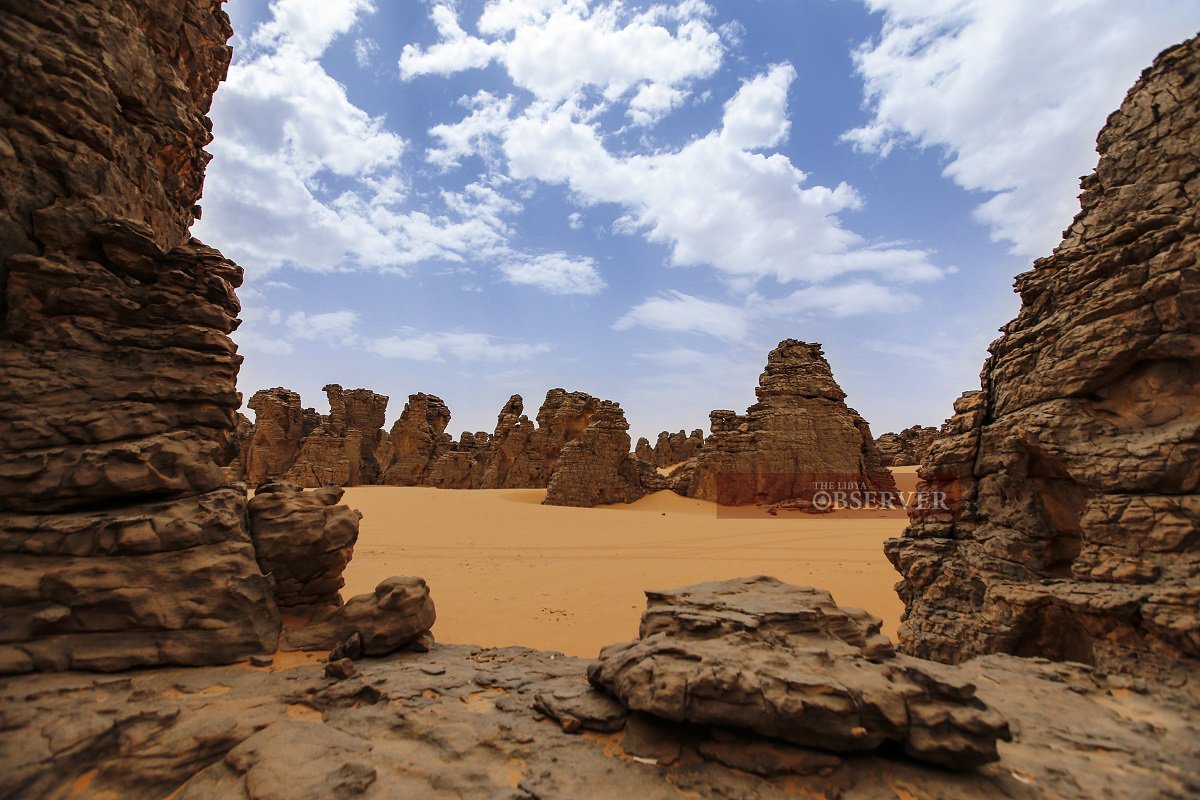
1078 463
672 448
417 439
800 433
523 456
303 540
342 448
906 448
597 468
117 374
786 662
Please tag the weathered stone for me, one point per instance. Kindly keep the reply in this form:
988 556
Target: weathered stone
398 613
279 428
786 662
417 439
117 375
906 448
798 435
1077 466
303 540
523 456
597 468
672 448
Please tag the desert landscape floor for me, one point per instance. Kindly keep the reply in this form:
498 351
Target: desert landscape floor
504 569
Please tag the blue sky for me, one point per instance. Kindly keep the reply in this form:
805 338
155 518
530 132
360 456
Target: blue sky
638 200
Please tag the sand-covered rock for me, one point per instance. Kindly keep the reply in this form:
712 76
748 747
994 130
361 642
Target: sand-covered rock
597 468
303 539
799 434
1078 464
117 374
786 662
906 448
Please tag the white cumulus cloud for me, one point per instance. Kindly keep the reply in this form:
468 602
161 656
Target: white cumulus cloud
1014 92
556 273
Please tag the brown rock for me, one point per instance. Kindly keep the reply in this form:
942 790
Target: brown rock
906 448
523 457
235 470
597 468
304 540
280 426
117 375
799 434
672 448
417 439
786 662
1077 466
397 614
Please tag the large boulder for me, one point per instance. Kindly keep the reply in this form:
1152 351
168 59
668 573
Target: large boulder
786 662
398 613
1076 469
597 468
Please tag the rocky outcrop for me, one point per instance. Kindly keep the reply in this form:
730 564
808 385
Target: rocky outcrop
787 662
117 374
464 722
398 613
672 448
243 433
906 448
280 425
597 468
303 540
798 435
523 456
417 439
1077 466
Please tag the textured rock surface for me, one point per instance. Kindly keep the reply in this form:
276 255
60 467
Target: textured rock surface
597 468
798 434
906 448
672 448
418 437
304 540
398 613
117 375
461 722
342 450
786 662
523 456
280 425
1078 464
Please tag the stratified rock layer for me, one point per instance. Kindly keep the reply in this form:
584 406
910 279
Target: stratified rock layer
1078 464
417 438
906 448
798 435
398 613
117 375
787 662
303 540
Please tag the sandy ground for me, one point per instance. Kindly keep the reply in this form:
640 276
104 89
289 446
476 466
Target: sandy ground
504 569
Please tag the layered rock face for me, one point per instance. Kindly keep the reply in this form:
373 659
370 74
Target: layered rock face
906 448
799 434
787 662
597 468
117 375
1078 463
280 425
524 456
303 540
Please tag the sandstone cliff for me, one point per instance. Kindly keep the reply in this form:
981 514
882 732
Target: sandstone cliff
1078 463
117 375
597 468
800 433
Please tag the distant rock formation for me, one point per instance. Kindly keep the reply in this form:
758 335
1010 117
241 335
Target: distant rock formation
303 540
670 448
118 545
799 433
1078 463
417 438
342 448
597 468
906 448
786 662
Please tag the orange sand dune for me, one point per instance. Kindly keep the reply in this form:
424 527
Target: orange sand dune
504 569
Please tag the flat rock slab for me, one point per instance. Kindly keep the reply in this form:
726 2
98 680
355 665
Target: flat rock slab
459 721
786 662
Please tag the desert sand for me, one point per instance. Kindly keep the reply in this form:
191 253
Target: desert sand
504 569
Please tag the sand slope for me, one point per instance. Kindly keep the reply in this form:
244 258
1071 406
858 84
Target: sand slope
504 569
